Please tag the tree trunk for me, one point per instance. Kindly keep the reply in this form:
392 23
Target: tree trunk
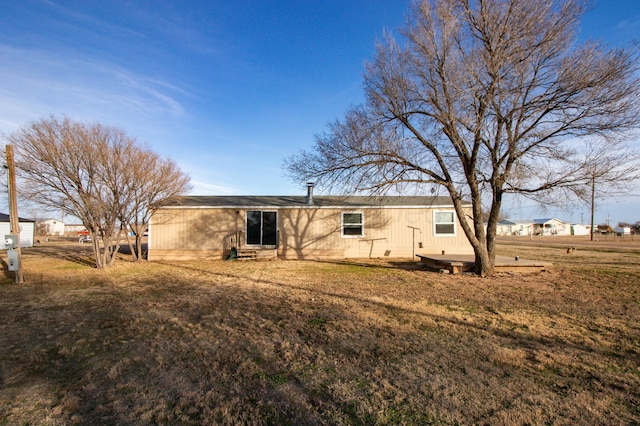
112 248
139 247
485 262
95 243
135 253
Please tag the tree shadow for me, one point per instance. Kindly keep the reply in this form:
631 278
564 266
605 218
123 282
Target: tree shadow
81 254
511 334
125 249
180 351
406 265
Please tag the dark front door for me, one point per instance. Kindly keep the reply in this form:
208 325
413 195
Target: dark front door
262 228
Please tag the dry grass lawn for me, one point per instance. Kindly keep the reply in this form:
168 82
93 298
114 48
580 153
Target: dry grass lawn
312 342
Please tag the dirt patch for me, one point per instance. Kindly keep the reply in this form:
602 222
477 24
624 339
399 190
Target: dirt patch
298 342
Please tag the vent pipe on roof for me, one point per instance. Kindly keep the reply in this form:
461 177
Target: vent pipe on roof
310 186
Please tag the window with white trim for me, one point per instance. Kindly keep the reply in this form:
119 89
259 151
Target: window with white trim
352 224
444 223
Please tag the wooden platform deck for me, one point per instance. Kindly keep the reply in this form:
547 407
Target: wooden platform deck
458 263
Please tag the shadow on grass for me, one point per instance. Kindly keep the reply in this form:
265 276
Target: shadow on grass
406 265
110 359
522 339
175 351
81 254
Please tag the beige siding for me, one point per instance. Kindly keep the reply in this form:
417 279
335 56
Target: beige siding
191 233
182 233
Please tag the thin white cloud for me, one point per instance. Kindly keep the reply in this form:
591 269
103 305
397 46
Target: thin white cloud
629 26
206 188
74 15
37 83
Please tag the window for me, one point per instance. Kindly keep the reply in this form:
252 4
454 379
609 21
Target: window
262 228
444 223
352 224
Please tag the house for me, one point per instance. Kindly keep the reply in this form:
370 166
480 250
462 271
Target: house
50 227
579 229
515 227
299 227
549 226
27 229
622 230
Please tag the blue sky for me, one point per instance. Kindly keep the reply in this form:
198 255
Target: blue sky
227 89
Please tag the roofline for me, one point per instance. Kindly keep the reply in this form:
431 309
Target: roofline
352 207
20 219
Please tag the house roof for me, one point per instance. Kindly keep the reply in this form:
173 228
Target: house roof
6 218
516 222
259 201
547 220
528 221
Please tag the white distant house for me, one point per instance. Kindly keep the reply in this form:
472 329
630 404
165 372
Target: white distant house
515 227
27 229
50 227
622 230
579 229
550 226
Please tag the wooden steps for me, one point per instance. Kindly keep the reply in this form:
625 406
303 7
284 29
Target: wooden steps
244 254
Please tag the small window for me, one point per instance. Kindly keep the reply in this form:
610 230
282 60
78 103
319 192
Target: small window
352 225
444 223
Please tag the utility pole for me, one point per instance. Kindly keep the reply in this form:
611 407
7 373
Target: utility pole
13 210
593 202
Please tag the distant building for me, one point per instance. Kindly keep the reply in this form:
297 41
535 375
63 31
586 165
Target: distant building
50 227
578 229
27 229
623 230
550 226
515 227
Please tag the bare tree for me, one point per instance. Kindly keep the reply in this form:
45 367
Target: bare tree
484 98
89 171
151 180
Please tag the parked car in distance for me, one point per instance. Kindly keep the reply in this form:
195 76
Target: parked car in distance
84 237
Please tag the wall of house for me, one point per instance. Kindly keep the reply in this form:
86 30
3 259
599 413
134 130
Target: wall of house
205 233
310 233
50 227
577 229
26 233
303 233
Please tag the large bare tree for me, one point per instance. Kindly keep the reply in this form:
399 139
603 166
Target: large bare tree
485 98
96 173
152 179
